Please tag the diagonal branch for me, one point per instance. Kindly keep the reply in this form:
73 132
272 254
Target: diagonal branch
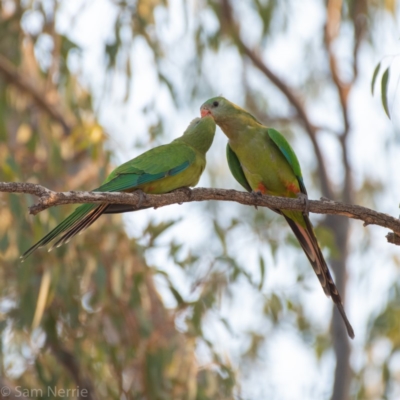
332 27
360 28
48 198
10 74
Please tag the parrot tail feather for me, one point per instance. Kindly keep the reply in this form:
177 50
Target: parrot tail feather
69 224
62 227
122 208
80 225
309 243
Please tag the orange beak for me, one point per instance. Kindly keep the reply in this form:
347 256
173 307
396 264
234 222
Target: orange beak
205 112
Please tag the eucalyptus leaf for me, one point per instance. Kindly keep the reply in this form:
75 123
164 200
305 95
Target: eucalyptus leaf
374 76
384 90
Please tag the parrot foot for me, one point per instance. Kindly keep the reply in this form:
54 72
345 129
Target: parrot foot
142 197
303 196
189 192
256 194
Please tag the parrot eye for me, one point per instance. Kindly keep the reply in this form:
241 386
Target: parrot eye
215 104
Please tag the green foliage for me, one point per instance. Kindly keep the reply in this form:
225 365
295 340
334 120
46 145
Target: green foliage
384 89
384 86
374 76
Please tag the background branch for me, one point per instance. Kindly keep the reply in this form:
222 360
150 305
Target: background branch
10 74
343 372
49 198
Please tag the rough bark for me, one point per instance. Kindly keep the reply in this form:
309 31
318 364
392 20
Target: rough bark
139 200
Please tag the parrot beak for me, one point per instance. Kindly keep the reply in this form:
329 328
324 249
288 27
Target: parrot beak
205 112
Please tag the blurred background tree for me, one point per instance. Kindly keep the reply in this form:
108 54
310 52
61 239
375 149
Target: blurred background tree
188 304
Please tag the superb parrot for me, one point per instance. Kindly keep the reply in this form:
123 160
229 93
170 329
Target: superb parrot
178 164
262 161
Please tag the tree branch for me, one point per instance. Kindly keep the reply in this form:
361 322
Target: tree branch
333 20
332 28
49 198
393 238
360 11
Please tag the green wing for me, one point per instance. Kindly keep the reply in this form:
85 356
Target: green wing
289 154
236 168
155 164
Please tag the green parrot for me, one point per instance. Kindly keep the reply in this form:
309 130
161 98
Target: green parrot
262 161
163 169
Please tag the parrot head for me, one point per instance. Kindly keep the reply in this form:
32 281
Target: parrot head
199 134
220 109
215 107
223 111
199 125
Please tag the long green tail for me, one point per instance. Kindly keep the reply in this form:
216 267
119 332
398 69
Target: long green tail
80 219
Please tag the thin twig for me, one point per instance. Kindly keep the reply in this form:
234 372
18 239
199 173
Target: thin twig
49 198
332 28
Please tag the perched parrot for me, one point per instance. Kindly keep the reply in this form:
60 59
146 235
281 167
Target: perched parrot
262 161
163 169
